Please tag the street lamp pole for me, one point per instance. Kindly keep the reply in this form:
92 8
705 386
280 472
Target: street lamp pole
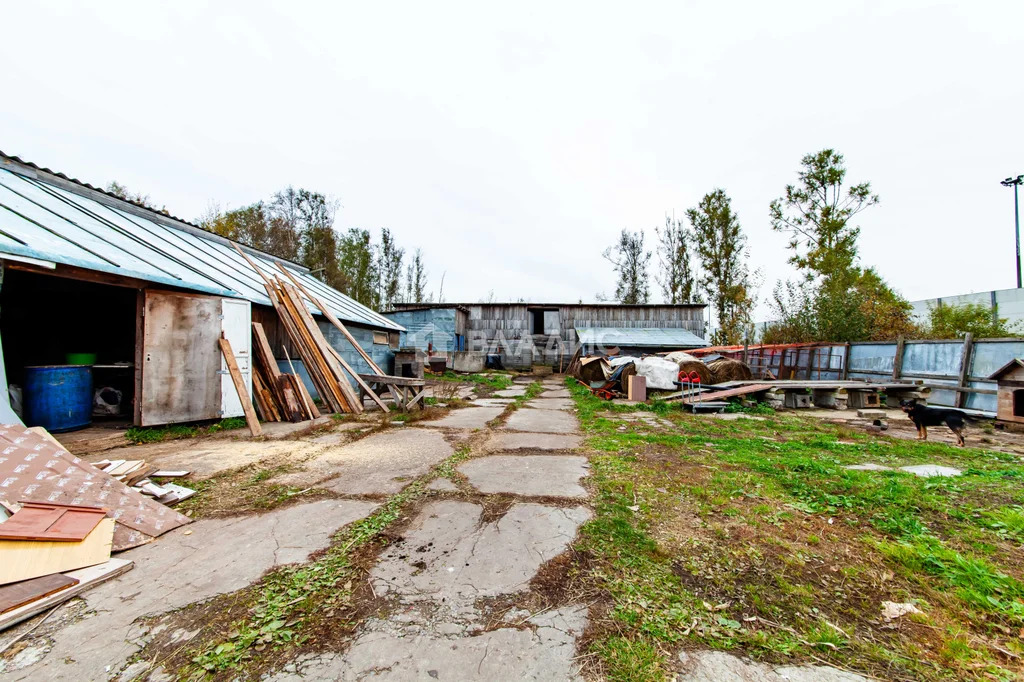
1015 183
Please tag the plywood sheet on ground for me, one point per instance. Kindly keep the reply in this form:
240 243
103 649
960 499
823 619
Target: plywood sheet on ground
26 559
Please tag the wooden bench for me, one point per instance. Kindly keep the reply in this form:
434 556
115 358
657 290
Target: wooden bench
405 391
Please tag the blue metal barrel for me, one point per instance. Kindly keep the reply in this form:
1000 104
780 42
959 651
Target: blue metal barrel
58 397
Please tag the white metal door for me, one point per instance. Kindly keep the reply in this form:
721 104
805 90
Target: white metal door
235 318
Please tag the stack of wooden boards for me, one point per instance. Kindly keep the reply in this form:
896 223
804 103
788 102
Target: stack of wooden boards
279 396
49 549
136 474
326 367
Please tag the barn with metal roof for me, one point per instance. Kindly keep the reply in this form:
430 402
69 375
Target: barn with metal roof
88 274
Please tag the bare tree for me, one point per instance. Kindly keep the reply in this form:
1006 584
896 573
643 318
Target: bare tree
416 279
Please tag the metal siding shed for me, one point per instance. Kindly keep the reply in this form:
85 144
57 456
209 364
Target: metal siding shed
47 217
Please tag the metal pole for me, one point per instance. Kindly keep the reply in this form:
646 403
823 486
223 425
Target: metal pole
1016 220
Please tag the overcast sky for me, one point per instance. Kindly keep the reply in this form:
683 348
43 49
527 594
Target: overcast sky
514 144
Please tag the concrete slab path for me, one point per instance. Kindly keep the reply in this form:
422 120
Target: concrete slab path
440 576
454 553
542 421
502 441
187 565
466 418
382 463
528 475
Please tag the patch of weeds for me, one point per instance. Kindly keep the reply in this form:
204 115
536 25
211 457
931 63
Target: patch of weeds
286 598
1006 522
156 434
738 406
630 660
227 424
974 580
495 380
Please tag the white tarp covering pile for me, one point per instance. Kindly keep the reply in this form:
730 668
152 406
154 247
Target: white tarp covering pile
661 373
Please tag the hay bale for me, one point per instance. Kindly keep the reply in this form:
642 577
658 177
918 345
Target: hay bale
725 369
687 363
592 369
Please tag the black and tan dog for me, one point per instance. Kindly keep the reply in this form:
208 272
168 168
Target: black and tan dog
924 416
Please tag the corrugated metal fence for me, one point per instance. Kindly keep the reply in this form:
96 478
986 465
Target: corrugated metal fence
956 371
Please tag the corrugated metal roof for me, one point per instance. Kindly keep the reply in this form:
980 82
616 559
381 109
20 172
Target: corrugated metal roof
532 304
639 337
74 224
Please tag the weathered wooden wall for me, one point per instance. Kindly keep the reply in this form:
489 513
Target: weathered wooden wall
505 327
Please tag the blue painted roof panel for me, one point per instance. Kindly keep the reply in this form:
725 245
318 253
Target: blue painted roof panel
49 222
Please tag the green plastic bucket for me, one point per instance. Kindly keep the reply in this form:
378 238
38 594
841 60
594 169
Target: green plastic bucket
80 358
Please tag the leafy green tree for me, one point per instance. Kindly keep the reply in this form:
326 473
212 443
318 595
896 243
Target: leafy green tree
725 279
630 260
389 269
674 243
357 267
947 321
816 213
860 306
886 313
836 300
256 226
298 225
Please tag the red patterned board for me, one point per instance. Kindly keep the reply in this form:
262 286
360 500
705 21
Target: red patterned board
34 469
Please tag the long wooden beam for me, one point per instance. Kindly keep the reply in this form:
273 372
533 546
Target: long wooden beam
243 396
334 320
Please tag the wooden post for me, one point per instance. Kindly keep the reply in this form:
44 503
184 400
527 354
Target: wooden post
243 396
965 370
897 360
845 375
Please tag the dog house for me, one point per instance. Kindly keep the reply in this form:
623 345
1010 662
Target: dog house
1010 381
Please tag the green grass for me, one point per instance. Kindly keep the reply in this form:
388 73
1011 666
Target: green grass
775 505
495 380
156 434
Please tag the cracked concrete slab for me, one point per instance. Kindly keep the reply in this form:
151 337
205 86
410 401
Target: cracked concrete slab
551 404
513 392
491 402
555 393
543 651
922 470
532 475
718 666
503 441
382 463
466 418
542 421
210 456
929 470
448 555
215 557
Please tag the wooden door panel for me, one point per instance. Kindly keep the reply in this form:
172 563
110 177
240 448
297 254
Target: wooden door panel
181 358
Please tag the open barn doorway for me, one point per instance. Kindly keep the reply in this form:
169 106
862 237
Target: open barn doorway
47 321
